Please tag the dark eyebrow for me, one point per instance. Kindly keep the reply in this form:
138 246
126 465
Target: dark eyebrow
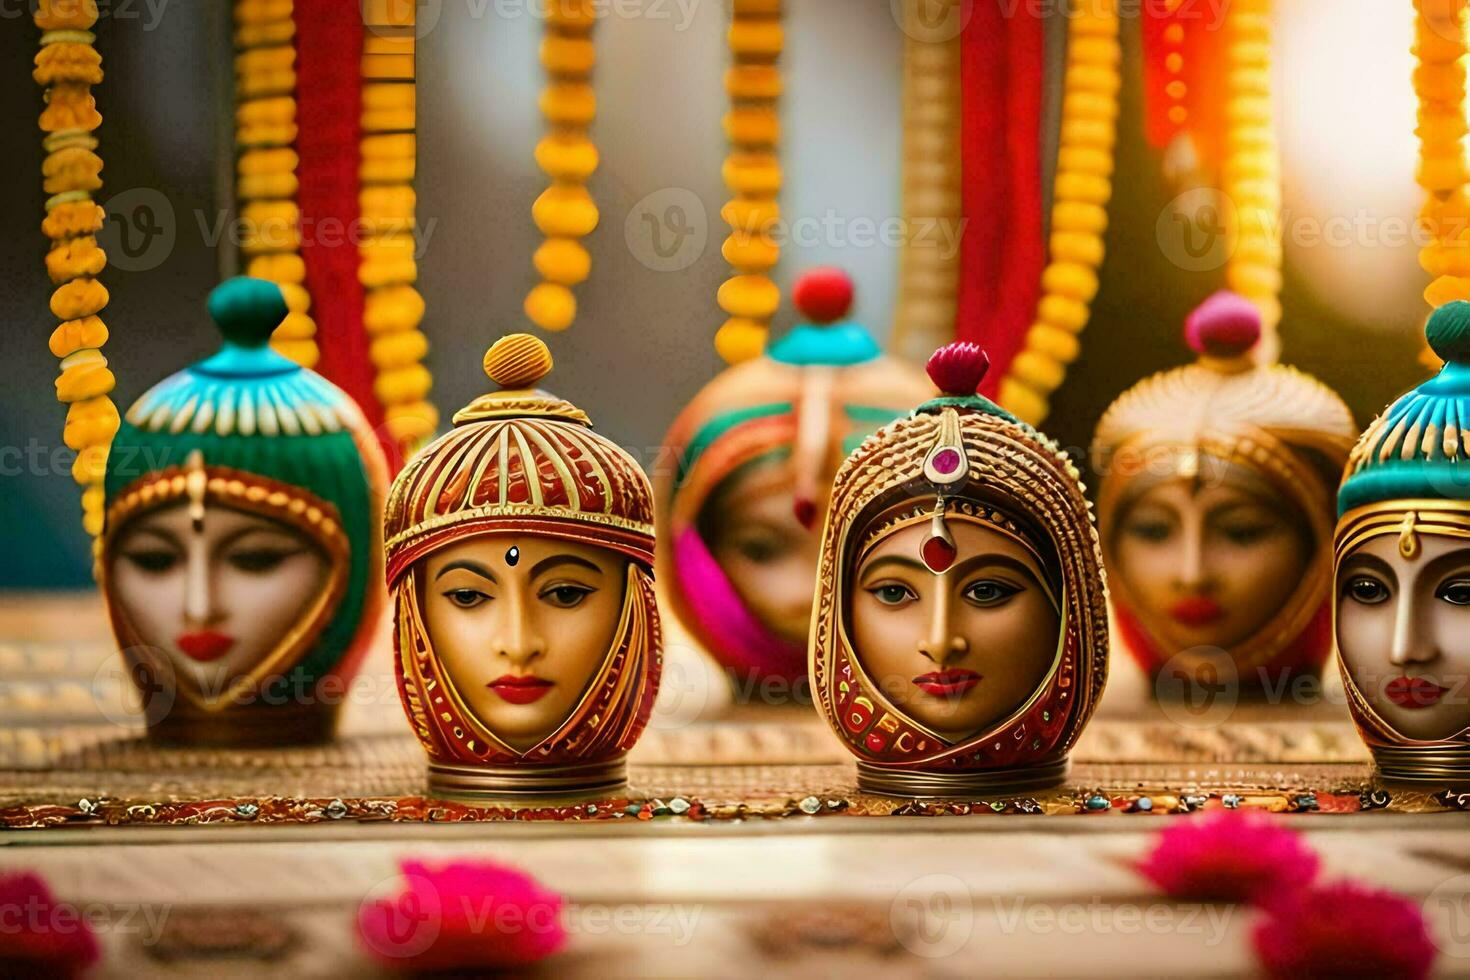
168 536
469 566
902 561
546 564
1360 562
995 560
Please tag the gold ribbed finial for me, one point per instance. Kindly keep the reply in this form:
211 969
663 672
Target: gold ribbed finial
517 360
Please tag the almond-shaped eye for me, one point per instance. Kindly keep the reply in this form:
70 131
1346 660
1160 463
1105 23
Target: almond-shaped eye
566 595
154 561
466 598
1455 591
893 594
1366 589
258 561
989 592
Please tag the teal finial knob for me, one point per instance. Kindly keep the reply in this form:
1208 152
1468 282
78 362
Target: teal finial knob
1448 332
247 310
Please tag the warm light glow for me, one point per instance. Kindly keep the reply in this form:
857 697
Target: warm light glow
1346 97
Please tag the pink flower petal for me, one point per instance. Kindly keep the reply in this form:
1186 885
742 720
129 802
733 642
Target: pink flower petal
1344 929
462 915
39 936
1229 856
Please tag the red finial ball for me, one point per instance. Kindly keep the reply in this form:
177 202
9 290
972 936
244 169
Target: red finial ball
823 295
958 368
1225 325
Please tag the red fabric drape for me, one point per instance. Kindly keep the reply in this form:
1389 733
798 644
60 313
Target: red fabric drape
1002 252
328 141
1200 44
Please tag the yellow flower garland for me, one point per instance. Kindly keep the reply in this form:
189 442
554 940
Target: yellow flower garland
1082 189
67 66
752 172
1439 84
1251 171
392 307
928 275
265 133
565 211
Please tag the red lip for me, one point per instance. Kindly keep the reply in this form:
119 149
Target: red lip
1413 692
949 683
520 690
1197 610
205 645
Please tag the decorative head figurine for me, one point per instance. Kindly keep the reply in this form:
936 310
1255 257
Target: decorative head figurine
745 486
960 638
1403 571
240 555
520 555
1215 507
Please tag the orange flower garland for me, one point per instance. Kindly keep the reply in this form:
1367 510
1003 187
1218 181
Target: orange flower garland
1251 171
265 131
1439 84
67 66
392 307
565 211
1082 189
752 172
927 273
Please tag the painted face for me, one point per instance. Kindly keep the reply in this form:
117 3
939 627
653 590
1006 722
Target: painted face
522 624
959 650
218 597
1210 565
1403 630
767 554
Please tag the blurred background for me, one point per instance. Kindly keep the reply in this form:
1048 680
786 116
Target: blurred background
643 341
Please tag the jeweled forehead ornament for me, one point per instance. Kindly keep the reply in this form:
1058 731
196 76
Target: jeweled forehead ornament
946 466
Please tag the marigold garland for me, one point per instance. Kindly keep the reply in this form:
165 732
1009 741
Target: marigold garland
265 131
565 211
1439 84
928 272
1082 189
752 172
392 307
67 66
1250 174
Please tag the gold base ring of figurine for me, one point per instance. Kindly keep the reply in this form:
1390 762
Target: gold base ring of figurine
528 784
920 785
1437 764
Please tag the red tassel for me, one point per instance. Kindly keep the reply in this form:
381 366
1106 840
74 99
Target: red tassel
329 143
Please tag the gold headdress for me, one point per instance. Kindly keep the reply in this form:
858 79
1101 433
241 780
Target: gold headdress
1225 409
961 457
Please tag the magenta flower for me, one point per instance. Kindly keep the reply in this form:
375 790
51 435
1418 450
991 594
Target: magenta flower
462 915
1344 929
39 936
1229 856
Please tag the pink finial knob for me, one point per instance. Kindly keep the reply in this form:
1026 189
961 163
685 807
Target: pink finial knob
958 368
823 295
1224 326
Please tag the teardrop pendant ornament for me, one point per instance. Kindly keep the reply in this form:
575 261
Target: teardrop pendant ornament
938 550
946 463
